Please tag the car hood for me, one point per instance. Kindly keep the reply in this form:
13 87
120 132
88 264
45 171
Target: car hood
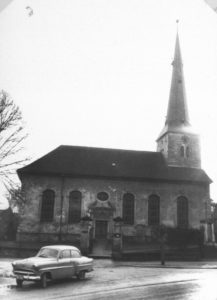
32 261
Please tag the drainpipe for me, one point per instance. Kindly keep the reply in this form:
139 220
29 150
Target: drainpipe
61 206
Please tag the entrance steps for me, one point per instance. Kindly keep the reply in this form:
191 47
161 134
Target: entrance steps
101 249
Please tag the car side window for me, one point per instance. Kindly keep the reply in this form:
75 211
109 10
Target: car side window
65 254
75 254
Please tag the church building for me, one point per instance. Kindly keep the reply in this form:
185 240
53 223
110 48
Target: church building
90 196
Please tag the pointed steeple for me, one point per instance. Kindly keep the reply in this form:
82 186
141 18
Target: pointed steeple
177 118
178 142
177 113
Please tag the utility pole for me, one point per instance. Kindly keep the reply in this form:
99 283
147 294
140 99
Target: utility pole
162 244
61 207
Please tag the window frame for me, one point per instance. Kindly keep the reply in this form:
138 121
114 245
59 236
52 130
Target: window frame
47 209
187 151
75 254
182 151
61 254
154 210
128 215
182 204
74 216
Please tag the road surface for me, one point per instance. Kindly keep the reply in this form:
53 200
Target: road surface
122 281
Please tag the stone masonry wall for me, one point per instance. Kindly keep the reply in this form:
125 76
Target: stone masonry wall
31 228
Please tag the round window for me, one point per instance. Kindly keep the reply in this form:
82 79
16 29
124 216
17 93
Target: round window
103 196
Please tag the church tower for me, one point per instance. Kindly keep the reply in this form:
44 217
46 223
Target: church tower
178 142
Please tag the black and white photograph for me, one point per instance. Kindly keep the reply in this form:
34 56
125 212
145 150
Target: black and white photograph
108 149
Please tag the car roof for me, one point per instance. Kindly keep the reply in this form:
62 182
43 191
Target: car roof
62 247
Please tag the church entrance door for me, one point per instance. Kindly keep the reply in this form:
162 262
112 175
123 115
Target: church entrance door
101 229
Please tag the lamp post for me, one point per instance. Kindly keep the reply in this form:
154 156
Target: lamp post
117 238
61 206
162 234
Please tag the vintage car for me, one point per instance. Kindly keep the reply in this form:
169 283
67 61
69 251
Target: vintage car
52 262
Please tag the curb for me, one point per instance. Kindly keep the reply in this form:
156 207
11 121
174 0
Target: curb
172 267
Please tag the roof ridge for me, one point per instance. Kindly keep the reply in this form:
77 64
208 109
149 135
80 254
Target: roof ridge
103 148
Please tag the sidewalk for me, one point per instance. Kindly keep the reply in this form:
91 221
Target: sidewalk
173 264
6 267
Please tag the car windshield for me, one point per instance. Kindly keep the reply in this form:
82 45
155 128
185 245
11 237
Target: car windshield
47 252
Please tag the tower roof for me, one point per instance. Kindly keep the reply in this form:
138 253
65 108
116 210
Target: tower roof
177 119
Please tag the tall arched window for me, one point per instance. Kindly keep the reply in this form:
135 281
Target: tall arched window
154 210
128 209
47 206
182 212
187 151
74 207
182 151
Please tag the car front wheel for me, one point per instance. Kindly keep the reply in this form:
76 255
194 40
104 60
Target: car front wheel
44 280
81 275
19 283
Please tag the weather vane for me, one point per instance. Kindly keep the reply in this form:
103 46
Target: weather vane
30 11
177 24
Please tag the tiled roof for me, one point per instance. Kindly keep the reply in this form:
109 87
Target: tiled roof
113 163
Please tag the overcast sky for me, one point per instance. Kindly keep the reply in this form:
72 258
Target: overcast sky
97 72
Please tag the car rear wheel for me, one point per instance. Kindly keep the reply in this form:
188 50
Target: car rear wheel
19 283
44 280
81 275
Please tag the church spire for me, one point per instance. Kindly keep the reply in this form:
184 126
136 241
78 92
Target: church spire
177 113
178 143
177 118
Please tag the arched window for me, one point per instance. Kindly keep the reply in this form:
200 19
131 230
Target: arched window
74 207
47 206
154 210
187 151
128 209
182 151
182 212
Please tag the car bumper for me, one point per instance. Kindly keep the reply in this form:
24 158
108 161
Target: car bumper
28 277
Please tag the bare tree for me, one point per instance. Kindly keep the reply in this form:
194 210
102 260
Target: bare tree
12 135
16 199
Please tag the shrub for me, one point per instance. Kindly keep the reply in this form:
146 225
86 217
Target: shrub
184 237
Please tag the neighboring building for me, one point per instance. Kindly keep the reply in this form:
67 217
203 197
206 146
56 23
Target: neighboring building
143 188
8 224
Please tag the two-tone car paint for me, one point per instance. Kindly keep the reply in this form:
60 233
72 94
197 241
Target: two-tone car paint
66 262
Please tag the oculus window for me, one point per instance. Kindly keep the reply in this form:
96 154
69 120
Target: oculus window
102 196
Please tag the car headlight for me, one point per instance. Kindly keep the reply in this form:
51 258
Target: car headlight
35 267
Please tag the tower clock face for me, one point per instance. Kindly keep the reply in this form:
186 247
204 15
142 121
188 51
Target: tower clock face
185 139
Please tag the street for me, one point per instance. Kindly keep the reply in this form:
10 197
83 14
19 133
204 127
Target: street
123 280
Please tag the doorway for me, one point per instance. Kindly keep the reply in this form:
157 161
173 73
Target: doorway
101 229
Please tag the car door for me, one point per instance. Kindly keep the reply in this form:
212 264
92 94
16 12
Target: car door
75 258
65 265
